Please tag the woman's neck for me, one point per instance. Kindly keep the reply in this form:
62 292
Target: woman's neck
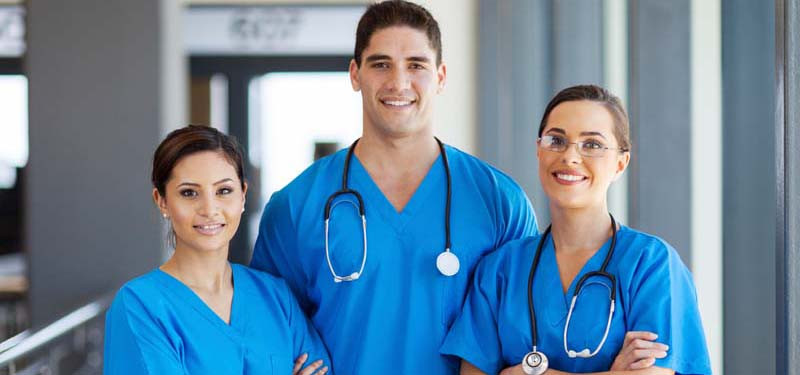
206 271
580 230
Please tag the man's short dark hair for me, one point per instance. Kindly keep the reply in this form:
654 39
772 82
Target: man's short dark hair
397 13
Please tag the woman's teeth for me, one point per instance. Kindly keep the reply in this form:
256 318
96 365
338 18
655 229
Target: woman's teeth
209 228
569 177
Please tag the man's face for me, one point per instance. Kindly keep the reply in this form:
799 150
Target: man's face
398 80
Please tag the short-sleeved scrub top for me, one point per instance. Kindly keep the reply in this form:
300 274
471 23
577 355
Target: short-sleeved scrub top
156 325
393 318
655 293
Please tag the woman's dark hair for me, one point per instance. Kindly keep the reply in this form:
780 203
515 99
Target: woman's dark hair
189 140
600 95
390 13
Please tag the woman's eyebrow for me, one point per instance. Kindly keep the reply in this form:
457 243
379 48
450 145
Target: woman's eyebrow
557 130
585 134
223 180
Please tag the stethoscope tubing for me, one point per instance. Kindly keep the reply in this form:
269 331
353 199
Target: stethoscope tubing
601 272
346 190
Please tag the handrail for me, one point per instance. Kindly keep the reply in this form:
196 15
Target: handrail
14 340
26 342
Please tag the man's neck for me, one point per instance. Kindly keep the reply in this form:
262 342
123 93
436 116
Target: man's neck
398 165
397 154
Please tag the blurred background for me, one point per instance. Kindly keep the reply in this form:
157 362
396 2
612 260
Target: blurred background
89 87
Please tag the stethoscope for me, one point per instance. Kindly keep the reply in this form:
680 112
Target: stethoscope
535 362
446 262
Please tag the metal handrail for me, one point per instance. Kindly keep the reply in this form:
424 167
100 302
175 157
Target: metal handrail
27 342
14 340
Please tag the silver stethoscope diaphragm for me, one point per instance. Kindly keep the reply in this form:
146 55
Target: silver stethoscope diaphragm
535 363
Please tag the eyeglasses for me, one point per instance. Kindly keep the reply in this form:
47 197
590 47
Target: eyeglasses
590 148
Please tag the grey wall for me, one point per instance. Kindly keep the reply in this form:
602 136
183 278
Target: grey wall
528 51
97 73
577 41
659 108
787 157
748 70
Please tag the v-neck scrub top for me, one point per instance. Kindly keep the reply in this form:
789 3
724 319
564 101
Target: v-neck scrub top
392 319
158 326
655 293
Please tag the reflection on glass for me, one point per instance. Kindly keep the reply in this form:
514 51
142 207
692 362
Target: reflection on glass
13 127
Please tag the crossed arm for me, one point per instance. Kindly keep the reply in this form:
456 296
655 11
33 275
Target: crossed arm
637 356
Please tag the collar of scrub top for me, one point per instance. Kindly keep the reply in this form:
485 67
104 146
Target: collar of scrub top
535 362
446 262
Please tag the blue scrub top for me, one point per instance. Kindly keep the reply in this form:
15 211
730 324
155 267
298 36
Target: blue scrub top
655 293
394 318
157 325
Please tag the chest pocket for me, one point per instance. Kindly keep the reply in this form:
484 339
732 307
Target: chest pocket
345 236
454 288
280 365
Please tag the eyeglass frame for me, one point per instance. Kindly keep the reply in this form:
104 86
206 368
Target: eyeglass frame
580 145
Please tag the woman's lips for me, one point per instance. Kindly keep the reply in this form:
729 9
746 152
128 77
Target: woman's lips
569 178
209 229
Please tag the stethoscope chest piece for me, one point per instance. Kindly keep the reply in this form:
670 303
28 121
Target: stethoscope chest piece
448 263
534 363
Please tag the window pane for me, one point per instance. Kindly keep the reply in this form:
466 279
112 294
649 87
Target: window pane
297 113
13 127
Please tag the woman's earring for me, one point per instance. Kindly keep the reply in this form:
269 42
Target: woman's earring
164 214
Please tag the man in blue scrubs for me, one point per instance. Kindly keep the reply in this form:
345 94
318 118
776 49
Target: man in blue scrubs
392 316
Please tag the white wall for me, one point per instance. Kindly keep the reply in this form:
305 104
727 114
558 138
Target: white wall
456 111
706 162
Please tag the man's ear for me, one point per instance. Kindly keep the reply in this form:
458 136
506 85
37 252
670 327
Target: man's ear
441 76
354 75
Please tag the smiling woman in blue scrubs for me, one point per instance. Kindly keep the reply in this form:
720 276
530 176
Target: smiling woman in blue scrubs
198 314
583 147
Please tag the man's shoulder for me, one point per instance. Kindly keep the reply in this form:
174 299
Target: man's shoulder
322 171
483 171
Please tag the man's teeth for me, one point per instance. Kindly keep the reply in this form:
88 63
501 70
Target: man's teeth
569 177
397 103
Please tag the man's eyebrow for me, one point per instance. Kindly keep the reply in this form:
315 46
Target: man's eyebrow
424 59
378 57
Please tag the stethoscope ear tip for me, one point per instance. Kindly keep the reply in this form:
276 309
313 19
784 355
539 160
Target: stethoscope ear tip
585 353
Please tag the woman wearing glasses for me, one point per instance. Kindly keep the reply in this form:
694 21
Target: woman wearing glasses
198 313
588 294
